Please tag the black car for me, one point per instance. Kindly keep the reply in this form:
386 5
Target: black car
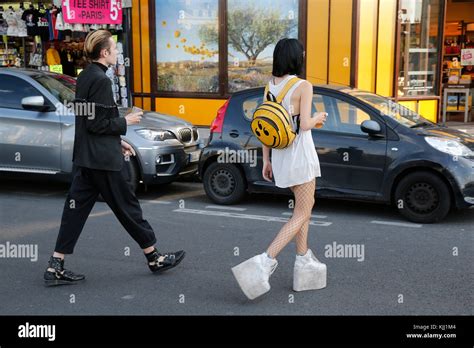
370 149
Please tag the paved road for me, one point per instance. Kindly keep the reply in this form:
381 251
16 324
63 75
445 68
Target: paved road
404 268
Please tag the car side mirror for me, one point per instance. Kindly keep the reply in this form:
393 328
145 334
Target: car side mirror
371 127
35 103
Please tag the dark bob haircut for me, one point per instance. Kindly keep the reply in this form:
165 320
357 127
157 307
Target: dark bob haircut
288 57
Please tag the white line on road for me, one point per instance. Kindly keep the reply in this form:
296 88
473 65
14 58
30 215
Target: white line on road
188 194
313 216
392 223
225 208
155 202
101 213
245 216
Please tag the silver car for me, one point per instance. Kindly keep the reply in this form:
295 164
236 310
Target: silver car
37 132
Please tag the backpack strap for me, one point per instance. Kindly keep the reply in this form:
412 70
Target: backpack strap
268 96
285 89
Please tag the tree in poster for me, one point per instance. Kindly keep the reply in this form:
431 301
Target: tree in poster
251 30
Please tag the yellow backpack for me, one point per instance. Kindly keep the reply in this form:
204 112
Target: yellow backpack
271 122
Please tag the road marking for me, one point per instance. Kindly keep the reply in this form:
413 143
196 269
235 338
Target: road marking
155 202
313 216
392 223
246 216
53 193
101 213
188 194
225 208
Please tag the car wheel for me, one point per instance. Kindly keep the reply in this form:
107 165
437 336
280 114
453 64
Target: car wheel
224 183
423 197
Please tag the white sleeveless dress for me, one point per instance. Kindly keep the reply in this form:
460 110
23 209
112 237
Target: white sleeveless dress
299 162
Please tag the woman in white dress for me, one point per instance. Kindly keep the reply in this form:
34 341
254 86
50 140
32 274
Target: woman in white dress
295 167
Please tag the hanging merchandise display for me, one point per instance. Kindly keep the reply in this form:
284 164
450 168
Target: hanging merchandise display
50 36
117 76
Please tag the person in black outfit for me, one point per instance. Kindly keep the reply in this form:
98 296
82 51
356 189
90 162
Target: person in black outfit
99 155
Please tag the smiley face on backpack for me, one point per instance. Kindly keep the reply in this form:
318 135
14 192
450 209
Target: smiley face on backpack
266 135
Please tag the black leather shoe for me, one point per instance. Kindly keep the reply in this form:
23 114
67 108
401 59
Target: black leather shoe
158 262
55 274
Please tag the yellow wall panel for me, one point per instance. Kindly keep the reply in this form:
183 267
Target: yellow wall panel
145 37
137 64
340 36
367 45
200 112
410 104
428 109
317 41
146 103
386 47
137 101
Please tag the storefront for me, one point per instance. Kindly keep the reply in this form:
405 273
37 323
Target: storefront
190 55
458 62
49 36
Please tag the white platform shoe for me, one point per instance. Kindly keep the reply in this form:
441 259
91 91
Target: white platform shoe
309 273
253 275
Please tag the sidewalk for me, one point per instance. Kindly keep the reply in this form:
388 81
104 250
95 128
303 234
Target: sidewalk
465 127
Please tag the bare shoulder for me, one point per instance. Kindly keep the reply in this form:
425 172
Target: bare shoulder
305 87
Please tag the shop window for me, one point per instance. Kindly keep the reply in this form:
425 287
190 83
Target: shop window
188 37
187 45
253 29
420 45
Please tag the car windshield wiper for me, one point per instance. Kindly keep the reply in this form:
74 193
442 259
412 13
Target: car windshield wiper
422 124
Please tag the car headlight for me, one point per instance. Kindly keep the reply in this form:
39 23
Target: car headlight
155 134
449 146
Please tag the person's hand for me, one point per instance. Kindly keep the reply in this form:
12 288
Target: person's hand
127 149
134 118
267 171
321 118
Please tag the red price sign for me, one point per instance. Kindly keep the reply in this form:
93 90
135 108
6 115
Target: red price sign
92 11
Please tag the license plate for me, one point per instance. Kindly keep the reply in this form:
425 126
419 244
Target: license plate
194 156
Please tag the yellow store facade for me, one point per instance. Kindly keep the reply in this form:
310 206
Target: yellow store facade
189 56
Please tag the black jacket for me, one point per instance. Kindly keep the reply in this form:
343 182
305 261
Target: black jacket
97 137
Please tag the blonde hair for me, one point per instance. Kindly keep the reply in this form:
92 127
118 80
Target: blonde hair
95 42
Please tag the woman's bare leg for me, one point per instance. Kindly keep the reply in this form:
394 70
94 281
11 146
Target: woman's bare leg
304 197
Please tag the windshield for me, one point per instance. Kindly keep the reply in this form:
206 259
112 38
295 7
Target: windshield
389 108
62 87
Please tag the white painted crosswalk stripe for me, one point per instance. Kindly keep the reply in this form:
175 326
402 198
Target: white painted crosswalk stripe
155 202
220 207
394 223
313 216
246 216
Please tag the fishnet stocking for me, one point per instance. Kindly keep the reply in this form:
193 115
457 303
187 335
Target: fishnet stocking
299 223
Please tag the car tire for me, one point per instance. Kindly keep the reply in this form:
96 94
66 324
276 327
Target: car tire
224 183
423 197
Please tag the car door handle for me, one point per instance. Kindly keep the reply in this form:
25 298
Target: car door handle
234 133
